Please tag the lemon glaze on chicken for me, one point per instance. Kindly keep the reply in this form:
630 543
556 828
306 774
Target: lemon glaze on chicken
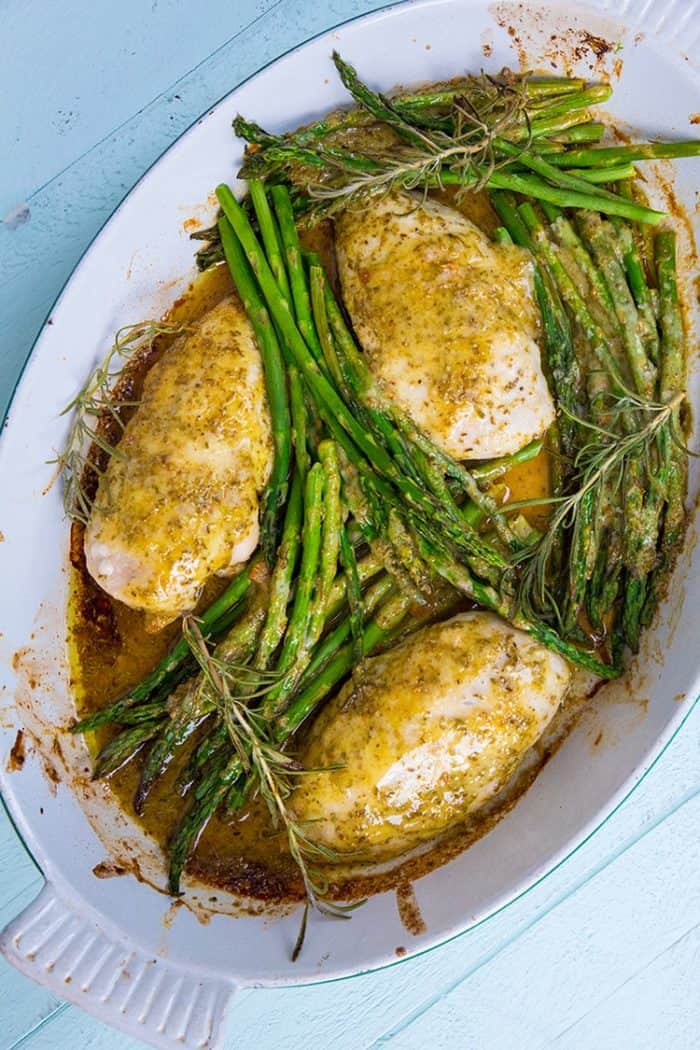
425 734
448 321
180 501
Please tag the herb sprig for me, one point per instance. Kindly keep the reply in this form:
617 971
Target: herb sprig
96 405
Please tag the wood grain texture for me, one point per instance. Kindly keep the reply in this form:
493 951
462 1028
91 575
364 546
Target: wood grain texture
544 964
604 952
63 209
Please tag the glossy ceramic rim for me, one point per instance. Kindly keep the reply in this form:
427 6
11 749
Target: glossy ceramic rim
634 779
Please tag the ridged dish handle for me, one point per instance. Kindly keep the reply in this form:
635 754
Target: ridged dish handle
144 996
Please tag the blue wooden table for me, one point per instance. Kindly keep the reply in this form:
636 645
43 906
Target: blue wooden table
605 953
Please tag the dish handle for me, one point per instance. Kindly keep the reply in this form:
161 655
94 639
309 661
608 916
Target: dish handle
143 995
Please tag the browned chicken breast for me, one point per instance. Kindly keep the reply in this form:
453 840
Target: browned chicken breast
448 322
425 734
180 502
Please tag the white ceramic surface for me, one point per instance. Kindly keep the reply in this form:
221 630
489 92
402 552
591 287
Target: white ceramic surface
115 946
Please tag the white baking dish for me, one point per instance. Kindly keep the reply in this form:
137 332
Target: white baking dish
113 945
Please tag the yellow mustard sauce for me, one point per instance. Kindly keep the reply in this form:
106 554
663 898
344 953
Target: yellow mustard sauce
111 650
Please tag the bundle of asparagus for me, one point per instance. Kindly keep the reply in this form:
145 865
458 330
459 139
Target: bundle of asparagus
533 136
622 507
364 480
368 529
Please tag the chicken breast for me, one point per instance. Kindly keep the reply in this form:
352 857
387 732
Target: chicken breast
180 502
425 734
448 322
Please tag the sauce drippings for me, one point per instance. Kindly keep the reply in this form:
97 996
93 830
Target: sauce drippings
111 650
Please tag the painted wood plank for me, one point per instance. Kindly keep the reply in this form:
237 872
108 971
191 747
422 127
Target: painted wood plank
578 957
380 1000
591 942
129 54
68 1028
656 1007
23 1004
36 258
63 216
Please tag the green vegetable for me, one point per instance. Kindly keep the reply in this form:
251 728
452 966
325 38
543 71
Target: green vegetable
275 381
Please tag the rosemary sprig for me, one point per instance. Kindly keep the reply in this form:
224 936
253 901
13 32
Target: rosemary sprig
601 464
490 131
95 404
265 766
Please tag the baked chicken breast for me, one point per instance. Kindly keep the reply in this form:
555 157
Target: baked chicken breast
448 322
180 502
425 734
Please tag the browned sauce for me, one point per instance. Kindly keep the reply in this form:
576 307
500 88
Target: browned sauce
111 651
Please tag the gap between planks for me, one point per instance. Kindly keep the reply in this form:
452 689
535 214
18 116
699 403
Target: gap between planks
427 1004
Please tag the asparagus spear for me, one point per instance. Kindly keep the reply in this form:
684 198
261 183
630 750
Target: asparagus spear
282 577
167 668
169 737
612 155
295 269
330 540
580 100
353 588
194 703
147 712
584 541
297 628
379 107
299 421
671 380
581 133
636 277
672 373
270 236
601 238
122 747
210 745
223 771
328 348
606 175
336 413
540 87
226 769
275 381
